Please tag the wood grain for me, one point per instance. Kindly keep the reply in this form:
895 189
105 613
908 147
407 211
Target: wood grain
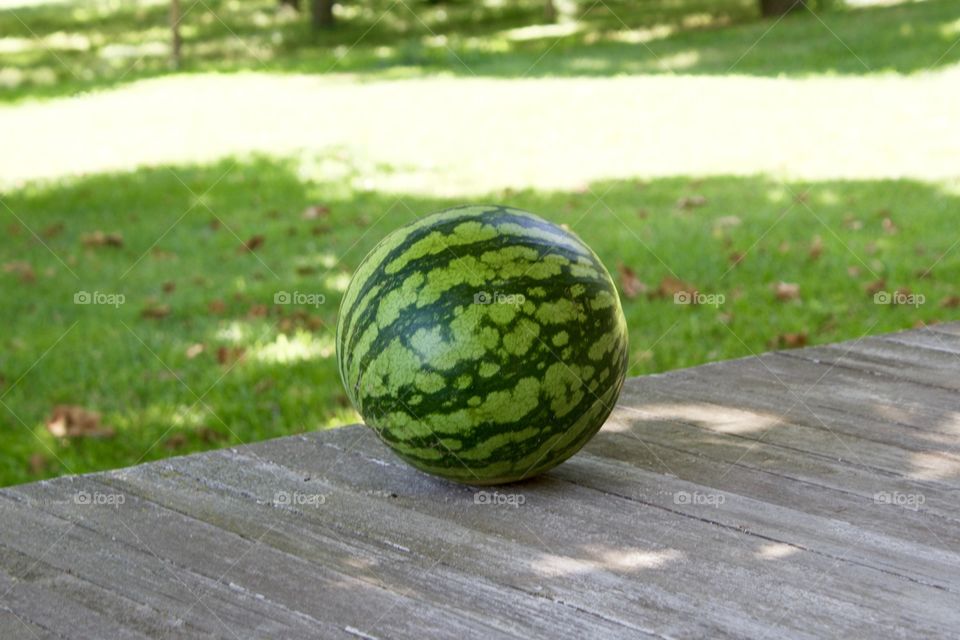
804 494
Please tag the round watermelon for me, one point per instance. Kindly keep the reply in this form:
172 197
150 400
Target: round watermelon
482 343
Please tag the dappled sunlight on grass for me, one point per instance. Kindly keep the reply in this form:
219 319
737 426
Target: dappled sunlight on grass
201 327
299 347
406 136
94 43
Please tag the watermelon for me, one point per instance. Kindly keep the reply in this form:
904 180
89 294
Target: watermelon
483 344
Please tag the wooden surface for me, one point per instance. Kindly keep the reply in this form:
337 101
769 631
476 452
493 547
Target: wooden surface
810 493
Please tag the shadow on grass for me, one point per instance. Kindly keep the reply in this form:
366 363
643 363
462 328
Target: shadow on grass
60 49
199 353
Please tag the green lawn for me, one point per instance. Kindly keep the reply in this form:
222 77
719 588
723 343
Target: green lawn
56 49
192 352
208 290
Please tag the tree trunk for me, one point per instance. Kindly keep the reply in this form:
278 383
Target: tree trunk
176 42
550 11
323 14
771 8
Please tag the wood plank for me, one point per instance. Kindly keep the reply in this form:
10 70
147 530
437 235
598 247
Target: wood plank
831 522
230 563
732 500
13 626
58 615
608 527
890 359
138 575
938 338
833 421
380 562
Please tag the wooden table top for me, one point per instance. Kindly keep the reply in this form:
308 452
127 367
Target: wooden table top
808 493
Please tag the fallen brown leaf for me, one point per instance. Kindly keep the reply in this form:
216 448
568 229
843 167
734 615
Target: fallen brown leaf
73 421
670 286
100 239
736 258
216 307
790 340
787 291
300 319
691 202
258 311
209 435
22 270
315 211
950 302
155 311
875 287
176 441
38 464
169 287
816 248
629 282
254 243
230 355
194 350
52 230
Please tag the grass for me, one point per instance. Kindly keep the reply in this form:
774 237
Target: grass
138 364
196 353
55 49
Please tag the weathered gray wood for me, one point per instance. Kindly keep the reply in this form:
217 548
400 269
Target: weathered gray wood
738 499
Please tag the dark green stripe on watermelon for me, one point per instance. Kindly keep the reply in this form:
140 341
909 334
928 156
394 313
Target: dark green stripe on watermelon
482 393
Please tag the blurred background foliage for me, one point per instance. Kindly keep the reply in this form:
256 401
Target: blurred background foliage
53 48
